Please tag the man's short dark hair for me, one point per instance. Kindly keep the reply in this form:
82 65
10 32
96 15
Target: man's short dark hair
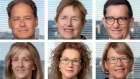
118 2
29 2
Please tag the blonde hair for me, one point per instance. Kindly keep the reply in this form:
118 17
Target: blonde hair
20 46
120 48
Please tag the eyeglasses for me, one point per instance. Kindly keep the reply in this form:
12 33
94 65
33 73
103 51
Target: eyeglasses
67 60
114 60
120 20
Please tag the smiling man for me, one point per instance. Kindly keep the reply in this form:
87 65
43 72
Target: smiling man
118 19
22 19
70 19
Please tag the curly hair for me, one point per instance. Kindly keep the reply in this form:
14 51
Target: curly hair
85 59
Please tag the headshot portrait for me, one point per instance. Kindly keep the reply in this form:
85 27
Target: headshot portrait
23 62
23 19
70 60
118 21
117 60
71 20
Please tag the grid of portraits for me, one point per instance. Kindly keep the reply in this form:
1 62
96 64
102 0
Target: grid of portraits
69 39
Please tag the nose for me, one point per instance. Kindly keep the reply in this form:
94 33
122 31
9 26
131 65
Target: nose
22 22
119 62
20 63
68 23
116 24
70 64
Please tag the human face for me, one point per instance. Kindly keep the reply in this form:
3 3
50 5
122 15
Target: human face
22 65
70 71
22 21
118 70
118 31
69 23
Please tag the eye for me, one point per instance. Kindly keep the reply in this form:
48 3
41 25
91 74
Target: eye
75 60
124 58
63 17
14 60
15 19
65 59
112 58
26 60
75 19
28 18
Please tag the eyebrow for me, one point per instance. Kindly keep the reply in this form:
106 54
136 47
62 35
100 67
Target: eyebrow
69 58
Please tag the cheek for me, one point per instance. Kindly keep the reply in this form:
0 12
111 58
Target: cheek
128 66
60 23
13 66
77 68
110 67
28 65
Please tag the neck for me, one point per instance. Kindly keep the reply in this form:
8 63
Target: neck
110 77
69 77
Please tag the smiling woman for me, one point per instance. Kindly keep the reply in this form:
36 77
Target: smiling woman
71 60
23 62
117 60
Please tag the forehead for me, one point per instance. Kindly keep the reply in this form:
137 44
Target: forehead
71 53
21 52
21 7
117 10
112 52
70 10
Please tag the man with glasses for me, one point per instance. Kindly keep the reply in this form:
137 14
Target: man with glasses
118 19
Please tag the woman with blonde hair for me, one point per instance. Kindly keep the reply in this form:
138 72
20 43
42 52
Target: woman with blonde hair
23 62
117 60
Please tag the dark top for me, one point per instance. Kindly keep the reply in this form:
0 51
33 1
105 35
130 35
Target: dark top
82 37
106 78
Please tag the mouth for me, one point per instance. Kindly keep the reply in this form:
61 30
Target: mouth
23 30
70 71
20 70
68 30
116 31
120 70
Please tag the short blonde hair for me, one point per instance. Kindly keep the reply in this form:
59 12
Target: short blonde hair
120 48
20 46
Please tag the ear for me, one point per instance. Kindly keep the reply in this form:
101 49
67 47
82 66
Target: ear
36 21
80 68
104 21
84 24
9 23
131 22
106 65
59 67
56 23
33 68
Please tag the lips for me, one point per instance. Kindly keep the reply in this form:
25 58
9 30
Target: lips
116 30
20 70
70 71
68 30
23 30
120 70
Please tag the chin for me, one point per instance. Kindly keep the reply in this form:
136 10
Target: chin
66 37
